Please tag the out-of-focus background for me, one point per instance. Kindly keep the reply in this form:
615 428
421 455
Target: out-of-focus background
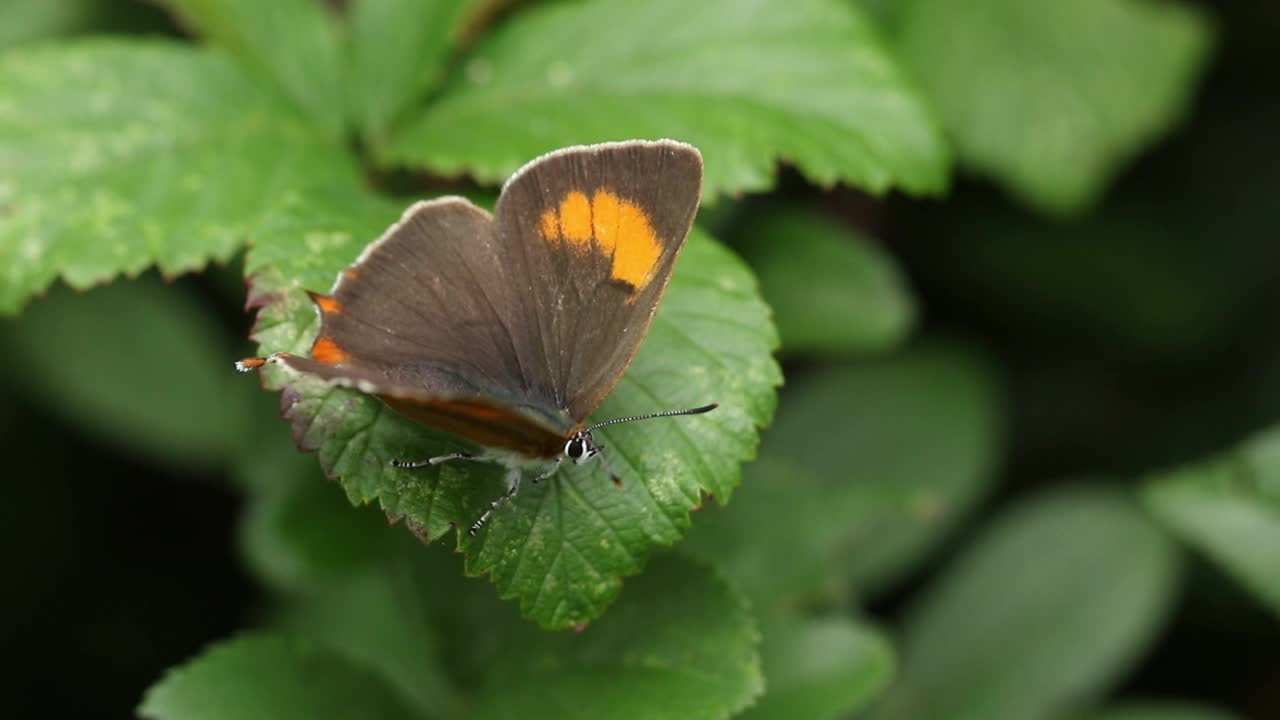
1044 391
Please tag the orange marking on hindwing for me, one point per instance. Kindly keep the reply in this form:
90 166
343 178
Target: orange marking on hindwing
329 305
550 225
327 351
575 218
623 230
619 229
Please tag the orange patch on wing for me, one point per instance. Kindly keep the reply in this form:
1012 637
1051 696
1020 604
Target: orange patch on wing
329 305
575 218
327 351
619 229
550 225
623 231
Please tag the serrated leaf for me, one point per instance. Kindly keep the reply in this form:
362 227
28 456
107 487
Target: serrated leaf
295 43
398 52
866 468
821 669
117 155
1158 710
749 83
137 364
1046 609
269 677
1229 509
1051 98
560 547
831 288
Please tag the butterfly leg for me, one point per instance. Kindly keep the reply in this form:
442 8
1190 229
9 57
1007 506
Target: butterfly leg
555 465
433 461
607 467
514 479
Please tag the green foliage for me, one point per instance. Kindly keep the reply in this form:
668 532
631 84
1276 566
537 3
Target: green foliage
119 155
1229 509
821 669
866 468
1047 641
832 290
291 133
268 676
1052 98
809 83
108 363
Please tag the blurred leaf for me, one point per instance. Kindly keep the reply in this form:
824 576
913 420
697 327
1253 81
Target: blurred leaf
298 531
266 676
294 43
562 546
116 155
1052 98
377 620
1047 608
1229 509
746 83
1158 710
867 467
22 21
136 364
679 645
821 669
831 288
398 52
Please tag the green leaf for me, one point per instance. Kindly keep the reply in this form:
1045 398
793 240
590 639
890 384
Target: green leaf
831 288
1047 608
679 645
398 53
377 619
117 155
866 468
22 21
1158 710
821 669
294 43
561 547
1052 98
138 364
747 82
298 531
266 676
1229 509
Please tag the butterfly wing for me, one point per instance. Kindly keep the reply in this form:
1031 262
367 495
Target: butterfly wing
421 320
591 235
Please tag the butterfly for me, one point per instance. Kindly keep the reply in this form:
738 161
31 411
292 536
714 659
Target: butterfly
509 329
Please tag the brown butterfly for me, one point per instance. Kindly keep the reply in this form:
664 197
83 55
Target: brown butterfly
509 329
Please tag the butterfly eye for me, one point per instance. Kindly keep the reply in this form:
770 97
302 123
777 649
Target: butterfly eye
575 448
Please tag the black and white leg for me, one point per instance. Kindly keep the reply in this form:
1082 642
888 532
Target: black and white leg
433 461
514 479
555 465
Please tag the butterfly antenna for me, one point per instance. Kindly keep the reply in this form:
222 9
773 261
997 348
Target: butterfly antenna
666 413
